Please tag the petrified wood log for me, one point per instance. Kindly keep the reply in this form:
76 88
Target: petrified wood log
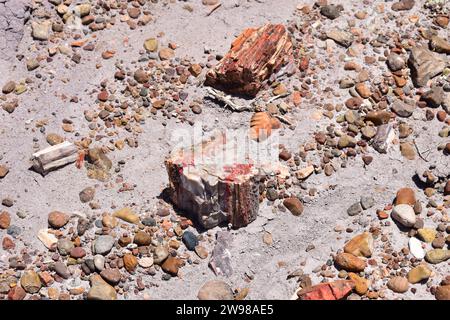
54 157
214 190
254 55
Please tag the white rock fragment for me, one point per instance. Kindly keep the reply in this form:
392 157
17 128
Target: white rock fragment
415 247
404 214
305 172
48 239
146 262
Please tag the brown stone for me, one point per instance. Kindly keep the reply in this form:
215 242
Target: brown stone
195 69
166 53
16 293
405 196
294 205
349 262
130 262
3 171
30 281
398 284
443 292
251 60
142 238
57 219
363 90
5 220
172 265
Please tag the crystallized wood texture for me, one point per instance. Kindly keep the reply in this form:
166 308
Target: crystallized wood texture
254 55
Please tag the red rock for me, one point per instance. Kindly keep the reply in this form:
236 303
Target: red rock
7 243
46 278
447 188
77 253
336 290
16 293
5 220
103 96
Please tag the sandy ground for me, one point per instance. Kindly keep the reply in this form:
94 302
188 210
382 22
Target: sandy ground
36 195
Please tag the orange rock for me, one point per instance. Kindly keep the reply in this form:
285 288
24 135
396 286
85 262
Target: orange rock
327 291
5 220
382 214
172 265
108 54
296 98
405 196
360 246
130 262
361 284
349 262
79 43
166 224
261 125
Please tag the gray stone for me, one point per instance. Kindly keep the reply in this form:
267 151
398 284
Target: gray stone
64 246
354 209
331 11
41 30
403 109
215 290
367 202
221 258
343 38
395 62
61 270
434 97
103 244
424 65
384 137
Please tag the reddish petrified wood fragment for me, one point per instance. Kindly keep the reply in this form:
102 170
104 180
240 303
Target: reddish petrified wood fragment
207 185
327 291
254 55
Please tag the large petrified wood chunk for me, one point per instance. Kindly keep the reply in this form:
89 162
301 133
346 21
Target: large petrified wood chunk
254 55
207 183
